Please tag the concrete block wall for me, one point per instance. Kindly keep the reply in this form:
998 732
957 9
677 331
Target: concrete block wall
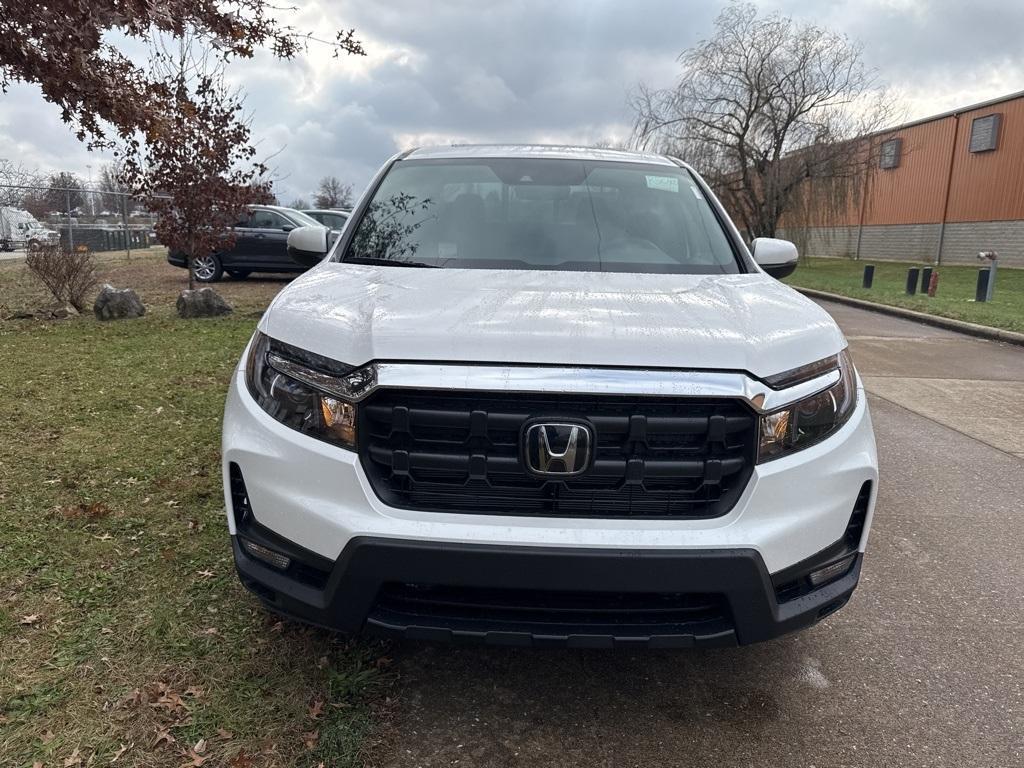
918 242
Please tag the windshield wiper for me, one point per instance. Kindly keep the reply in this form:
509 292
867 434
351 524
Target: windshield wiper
389 262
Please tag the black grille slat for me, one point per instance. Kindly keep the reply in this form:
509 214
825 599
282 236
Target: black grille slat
536 608
460 452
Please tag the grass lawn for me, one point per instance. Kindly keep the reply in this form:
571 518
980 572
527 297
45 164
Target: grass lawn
954 298
124 632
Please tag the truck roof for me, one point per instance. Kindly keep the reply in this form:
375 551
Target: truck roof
471 151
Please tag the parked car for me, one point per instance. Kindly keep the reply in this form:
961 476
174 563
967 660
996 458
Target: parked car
335 218
261 245
547 396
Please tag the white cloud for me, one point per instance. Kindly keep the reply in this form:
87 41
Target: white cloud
531 70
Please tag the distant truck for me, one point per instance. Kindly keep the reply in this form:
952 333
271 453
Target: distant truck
19 229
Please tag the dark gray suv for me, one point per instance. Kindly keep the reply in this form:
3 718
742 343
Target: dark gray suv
261 245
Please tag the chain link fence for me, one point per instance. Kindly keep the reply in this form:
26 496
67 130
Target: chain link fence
77 218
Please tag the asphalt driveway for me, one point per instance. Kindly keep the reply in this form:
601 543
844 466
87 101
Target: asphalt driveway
925 666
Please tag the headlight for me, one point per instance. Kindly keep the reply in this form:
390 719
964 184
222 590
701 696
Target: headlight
302 390
809 421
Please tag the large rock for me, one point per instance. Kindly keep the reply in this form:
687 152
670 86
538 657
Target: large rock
115 304
205 302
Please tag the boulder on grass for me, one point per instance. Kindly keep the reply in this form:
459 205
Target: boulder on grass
205 302
116 304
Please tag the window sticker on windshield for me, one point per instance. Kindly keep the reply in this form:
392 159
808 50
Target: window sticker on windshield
664 183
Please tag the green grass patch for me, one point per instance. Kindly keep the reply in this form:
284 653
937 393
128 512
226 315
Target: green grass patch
954 298
123 627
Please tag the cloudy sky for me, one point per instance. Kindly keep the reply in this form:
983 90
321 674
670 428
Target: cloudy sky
532 70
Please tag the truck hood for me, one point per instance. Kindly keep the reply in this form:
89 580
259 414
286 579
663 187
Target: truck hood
356 314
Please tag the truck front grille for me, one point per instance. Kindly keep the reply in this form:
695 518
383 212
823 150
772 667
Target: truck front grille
461 452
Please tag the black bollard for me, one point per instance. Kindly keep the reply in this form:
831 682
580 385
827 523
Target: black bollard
912 280
926 279
869 275
981 292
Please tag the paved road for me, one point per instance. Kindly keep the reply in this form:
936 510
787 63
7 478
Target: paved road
925 667
12 255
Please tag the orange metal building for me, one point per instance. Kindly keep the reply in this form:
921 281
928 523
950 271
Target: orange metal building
944 188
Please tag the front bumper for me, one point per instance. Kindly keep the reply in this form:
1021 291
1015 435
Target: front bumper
722 597
313 501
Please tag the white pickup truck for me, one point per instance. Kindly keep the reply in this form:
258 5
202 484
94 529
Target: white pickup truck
547 396
20 229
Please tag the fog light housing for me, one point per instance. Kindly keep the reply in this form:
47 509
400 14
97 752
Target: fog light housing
832 571
266 554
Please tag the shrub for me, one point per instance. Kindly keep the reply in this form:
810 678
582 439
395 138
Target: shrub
70 277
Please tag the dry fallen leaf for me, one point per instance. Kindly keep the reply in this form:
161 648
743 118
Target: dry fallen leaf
124 748
200 747
47 736
310 739
206 574
194 760
73 760
316 709
162 737
32 618
241 760
224 735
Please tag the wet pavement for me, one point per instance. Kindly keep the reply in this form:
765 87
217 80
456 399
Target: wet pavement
924 667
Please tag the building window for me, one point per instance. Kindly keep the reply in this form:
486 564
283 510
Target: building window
890 154
985 133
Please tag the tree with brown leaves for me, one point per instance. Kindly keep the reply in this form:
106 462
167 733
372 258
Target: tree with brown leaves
66 47
198 171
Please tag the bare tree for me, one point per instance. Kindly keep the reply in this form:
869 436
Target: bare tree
765 107
333 194
114 193
16 180
299 203
199 174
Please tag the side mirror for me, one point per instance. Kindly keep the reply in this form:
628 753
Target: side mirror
776 257
287 227
307 245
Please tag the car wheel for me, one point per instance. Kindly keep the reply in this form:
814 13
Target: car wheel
207 269
33 245
238 274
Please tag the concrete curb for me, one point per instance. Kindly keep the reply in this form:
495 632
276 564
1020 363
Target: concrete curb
972 329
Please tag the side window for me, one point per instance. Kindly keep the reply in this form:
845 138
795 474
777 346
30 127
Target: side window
267 220
336 221
244 220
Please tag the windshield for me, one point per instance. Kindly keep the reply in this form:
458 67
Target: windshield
302 219
529 213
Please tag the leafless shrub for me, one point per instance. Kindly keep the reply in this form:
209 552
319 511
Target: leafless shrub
70 277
